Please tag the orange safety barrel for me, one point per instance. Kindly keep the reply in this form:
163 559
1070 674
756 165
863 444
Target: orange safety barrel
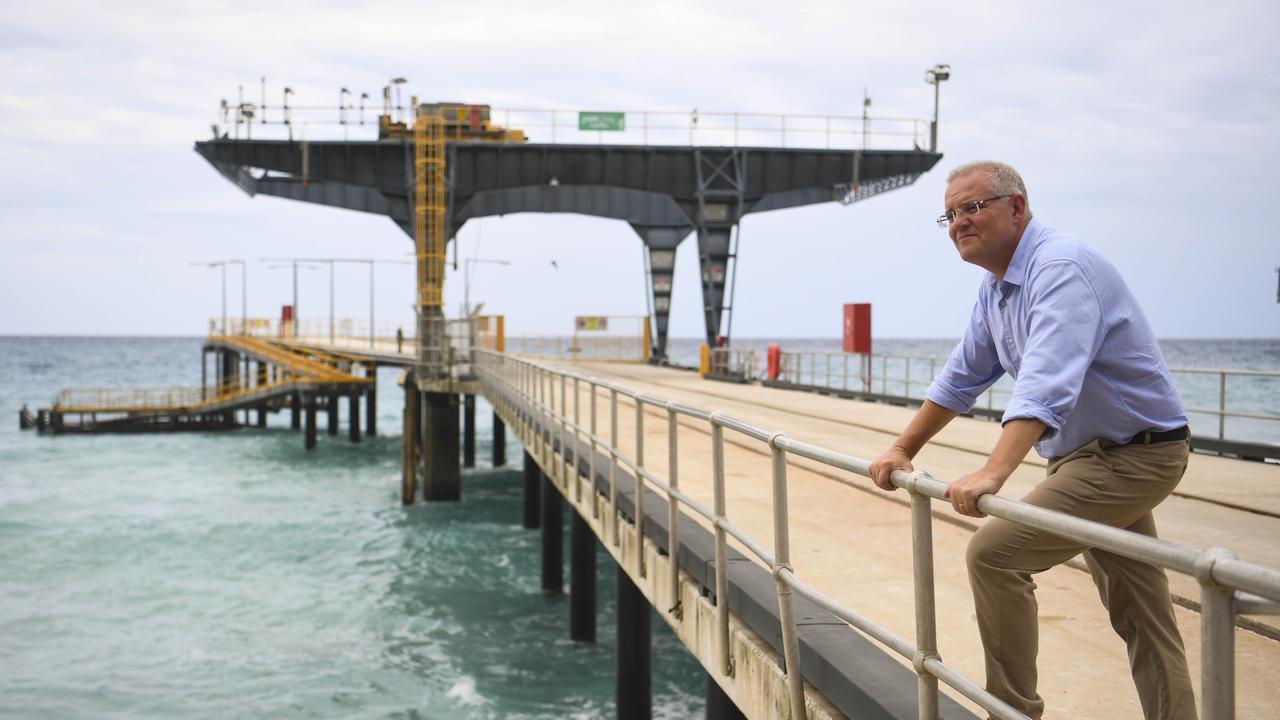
775 360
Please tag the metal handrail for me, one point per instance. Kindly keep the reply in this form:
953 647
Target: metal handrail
794 363
520 387
661 127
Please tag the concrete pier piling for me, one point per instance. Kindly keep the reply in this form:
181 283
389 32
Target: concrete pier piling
532 493
310 404
443 477
353 417
371 406
552 538
295 411
499 441
409 442
582 580
469 431
634 682
719 706
333 413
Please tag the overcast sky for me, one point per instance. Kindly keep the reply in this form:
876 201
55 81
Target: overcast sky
1148 129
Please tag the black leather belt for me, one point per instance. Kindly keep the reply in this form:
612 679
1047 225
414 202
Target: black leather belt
1150 437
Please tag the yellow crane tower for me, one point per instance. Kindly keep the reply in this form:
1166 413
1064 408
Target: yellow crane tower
434 125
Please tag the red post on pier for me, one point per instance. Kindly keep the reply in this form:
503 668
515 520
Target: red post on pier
857 328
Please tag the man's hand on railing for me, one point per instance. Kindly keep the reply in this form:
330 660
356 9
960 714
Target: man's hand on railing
895 458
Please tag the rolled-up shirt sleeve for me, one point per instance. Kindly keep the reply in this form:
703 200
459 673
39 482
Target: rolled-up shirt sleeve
1064 333
971 369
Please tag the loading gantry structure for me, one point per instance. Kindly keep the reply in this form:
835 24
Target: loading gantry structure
453 166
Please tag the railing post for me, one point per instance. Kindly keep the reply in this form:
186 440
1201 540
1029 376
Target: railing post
906 379
926 617
781 564
613 460
673 514
639 487
564 434
1222 404
591 463
577 430
884 374
722 580
1217 639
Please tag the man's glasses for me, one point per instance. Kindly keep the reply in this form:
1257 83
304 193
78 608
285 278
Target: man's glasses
967 210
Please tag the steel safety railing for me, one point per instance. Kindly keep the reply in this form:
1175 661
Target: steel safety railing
526 390
606 348
736 362
909 376
354 332
624 126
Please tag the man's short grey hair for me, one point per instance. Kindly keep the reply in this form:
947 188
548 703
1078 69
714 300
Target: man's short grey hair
1004 179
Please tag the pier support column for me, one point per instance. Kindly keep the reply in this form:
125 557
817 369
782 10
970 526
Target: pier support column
499 441
371 404
310 403
353 417
443 479
532 493
262 416
295 411
582 580
552 538
333 413
469 431
719 706
409 442
634 685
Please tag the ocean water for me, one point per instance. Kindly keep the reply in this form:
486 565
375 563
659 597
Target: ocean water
233 574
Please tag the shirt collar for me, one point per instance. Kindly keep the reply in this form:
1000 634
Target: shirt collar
1016 273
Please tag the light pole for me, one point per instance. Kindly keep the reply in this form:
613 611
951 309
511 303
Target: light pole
363 96
287 262
244 290
332 294
467 270
935 76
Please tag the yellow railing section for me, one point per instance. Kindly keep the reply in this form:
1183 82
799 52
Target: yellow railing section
293 365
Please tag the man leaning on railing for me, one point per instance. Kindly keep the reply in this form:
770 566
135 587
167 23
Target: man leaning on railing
1092 393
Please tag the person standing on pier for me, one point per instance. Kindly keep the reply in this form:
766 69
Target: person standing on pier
1093 395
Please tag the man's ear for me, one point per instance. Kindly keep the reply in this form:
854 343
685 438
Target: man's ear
1019 203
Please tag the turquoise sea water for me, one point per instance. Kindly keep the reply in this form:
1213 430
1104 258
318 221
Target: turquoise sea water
233 574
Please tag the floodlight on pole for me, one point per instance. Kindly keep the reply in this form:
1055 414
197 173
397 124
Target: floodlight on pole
396 83
343 94
935 77
288 116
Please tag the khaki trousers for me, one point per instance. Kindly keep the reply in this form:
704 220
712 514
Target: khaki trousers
1113 484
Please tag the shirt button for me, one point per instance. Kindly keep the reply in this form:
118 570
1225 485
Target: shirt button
1001 303
1009 341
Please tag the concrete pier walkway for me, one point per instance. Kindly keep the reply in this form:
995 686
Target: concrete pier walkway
852 541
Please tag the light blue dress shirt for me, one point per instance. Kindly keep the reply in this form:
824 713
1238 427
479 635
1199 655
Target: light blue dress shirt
1065 327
